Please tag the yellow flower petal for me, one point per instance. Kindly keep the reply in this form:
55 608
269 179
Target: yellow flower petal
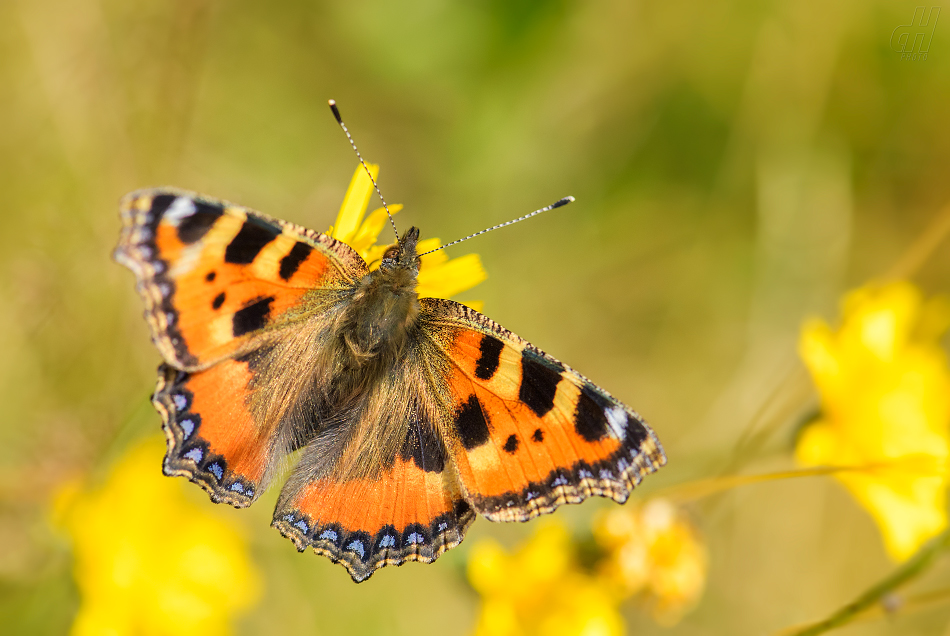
435 258
540 589
818 445
654 554
147 561
439 276
364 239
354 204
885 396
451 277
907 507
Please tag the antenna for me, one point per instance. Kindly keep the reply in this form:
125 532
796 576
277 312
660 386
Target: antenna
556 204
339 120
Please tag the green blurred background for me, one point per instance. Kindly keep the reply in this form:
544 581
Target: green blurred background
737 165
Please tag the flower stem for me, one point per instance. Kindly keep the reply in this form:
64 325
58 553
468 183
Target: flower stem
878 593
924 465
921 249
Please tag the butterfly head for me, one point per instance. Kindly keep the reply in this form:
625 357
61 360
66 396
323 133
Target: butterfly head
402 255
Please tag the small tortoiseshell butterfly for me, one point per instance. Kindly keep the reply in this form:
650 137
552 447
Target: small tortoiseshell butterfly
411 414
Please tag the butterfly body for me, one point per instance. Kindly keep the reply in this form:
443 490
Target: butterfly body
410 414
384 305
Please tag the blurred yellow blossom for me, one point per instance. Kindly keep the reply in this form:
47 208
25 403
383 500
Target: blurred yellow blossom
653 552
439 276
540 589
885 406
147 561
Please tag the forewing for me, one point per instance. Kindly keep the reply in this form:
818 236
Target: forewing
214 275
528 433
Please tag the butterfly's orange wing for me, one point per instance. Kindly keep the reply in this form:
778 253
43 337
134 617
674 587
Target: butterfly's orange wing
213 275
409 510
217 281
212 438
527 433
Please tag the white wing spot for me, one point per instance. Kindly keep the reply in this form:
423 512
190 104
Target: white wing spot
617 421
188 426
181 208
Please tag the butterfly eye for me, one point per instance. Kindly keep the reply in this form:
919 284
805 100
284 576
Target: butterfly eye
389 257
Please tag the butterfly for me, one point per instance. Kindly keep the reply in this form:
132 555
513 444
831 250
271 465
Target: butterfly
410 415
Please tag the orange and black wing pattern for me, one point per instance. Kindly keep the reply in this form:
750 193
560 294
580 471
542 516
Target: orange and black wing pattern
212 438
411 509
216 279
507 431
527 433
213 275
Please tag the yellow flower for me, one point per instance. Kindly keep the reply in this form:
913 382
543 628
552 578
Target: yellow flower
653 552
540 590
885 406
439 276
147 561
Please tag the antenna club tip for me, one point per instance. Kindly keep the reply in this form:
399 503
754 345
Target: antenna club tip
336 111
563 201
